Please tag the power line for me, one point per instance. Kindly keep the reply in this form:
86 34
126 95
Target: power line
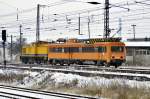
127 20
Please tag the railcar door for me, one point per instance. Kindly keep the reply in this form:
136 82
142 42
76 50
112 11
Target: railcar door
71 52
67 54
102 54
70 55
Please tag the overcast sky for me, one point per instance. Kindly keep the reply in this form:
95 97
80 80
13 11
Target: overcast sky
8 18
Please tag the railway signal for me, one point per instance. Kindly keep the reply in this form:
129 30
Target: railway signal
4 35
4 40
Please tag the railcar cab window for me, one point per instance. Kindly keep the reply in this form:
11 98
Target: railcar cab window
101 49
117 48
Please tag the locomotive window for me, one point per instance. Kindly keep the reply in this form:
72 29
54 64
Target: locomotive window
58 50
71 49
66 49
74 49
88 49
117 48
101 49
55 50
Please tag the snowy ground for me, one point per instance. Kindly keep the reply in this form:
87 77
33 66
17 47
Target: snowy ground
34 78
45 78
79 81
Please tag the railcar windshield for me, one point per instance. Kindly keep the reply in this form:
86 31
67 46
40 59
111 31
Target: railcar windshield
101 49
117 48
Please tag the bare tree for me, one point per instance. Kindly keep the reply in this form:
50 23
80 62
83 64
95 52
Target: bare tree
16 46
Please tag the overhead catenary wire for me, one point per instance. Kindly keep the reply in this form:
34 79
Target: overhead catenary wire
95 15
100 21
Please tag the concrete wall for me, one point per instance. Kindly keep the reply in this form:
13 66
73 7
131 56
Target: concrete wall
139 60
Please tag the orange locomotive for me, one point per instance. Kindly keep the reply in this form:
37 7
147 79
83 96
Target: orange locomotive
101 51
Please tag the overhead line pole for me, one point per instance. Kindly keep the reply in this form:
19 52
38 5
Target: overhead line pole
79 30
20 29
37 31
106 19
89 28
11 49
38 24
133 31
134 50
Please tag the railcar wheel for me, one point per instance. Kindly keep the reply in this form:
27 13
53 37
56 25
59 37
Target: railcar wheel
99 63
80 63
116 66
53 62
62 63
107 64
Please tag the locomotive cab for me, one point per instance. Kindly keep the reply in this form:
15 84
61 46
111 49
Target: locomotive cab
114 54
117 55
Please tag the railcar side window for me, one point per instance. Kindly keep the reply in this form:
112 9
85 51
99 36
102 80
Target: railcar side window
117 48
74 49
88 49
101 49
66 49
55 50
58 50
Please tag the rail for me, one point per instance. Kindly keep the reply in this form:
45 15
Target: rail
17 93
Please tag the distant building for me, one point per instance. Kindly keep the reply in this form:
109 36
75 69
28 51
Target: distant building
138 50
139 39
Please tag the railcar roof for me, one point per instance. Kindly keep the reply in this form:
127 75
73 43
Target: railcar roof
86 44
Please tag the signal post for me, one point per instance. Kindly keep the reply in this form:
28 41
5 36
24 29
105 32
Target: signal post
4 40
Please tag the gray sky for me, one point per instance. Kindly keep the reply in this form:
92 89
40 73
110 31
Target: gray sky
138 14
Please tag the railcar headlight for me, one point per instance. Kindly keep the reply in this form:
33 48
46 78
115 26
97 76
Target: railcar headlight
113 56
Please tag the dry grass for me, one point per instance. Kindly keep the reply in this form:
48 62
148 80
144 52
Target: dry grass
113 91
11 78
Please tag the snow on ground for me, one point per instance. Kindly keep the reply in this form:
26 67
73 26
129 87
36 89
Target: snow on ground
55 79
59 79
34 78
10 71
136 67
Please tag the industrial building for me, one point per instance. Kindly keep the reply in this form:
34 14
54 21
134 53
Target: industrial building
138 51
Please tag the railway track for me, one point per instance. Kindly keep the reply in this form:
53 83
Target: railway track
24 93
90 68
139 75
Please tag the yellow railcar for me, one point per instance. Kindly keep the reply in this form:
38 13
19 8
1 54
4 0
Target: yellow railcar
101 52
35 52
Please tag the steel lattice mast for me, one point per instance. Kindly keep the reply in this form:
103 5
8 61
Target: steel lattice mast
106 20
